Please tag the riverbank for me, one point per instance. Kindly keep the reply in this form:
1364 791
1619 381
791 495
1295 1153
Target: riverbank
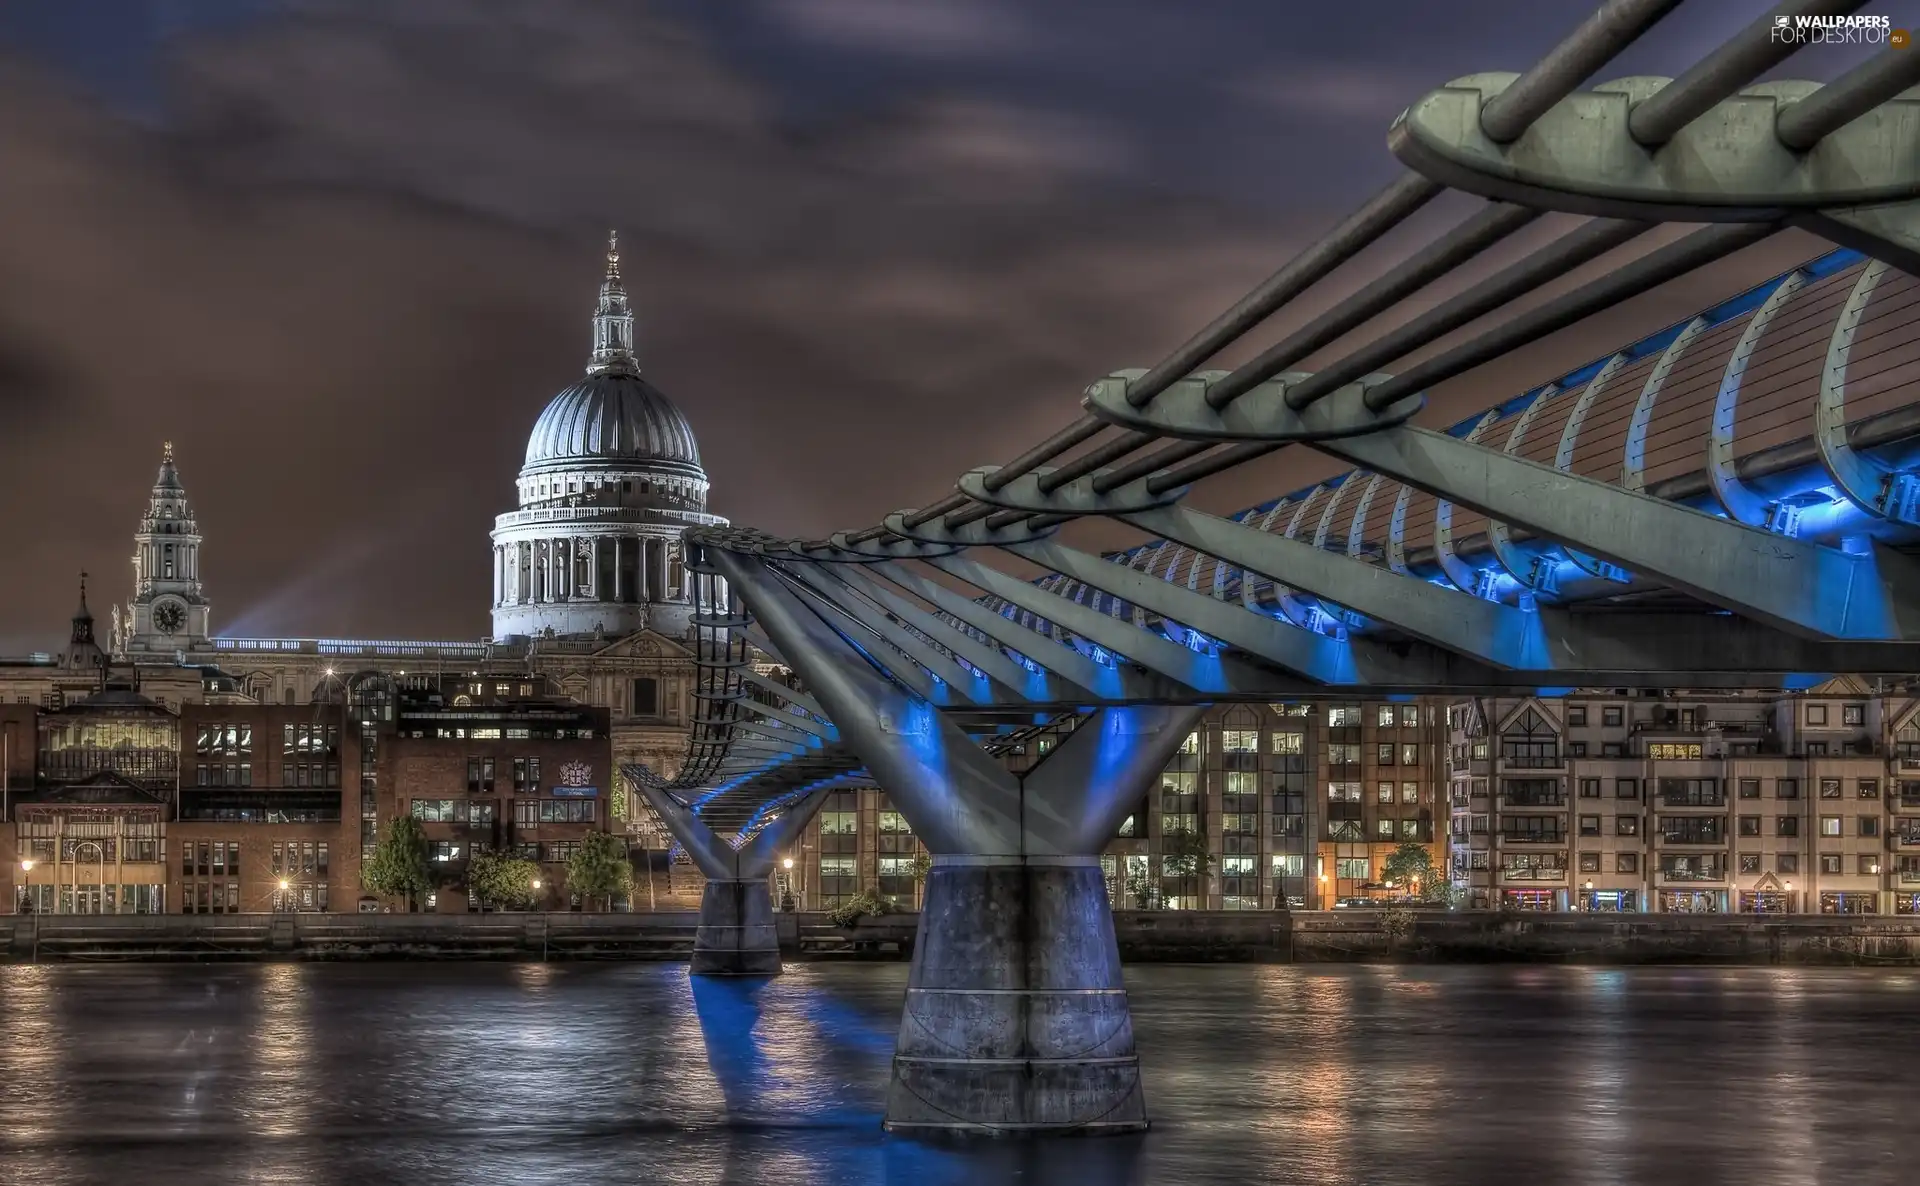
1143 937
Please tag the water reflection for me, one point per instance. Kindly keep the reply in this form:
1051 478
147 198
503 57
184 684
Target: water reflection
504 1075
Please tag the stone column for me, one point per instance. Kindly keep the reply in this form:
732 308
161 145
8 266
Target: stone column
619 578
1016 1019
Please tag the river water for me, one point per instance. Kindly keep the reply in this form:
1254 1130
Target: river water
502 1074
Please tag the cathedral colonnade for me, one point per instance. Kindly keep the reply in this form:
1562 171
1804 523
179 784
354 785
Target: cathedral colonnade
623 569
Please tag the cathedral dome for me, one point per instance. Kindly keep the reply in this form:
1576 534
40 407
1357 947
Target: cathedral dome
613 416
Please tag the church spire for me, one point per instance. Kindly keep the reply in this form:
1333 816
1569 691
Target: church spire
169 479
613 321
83 651
169 611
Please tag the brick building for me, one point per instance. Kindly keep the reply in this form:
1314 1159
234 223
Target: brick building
488 765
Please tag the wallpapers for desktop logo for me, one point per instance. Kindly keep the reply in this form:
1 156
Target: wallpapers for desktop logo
1840 30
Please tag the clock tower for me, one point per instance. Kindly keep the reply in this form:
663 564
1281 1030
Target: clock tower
168 612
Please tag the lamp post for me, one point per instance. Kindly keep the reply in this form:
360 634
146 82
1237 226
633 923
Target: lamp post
26 867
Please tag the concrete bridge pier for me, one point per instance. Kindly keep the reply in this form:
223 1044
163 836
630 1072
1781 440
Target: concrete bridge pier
1016 1018
736 936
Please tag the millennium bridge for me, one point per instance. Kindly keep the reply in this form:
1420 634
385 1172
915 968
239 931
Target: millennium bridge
1730 502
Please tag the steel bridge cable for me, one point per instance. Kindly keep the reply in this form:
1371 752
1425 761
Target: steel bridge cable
1073 436
1750 53
1463 243
1429 264
1803 124
1596 42
1360 230
1655 268
1580 246
1649 271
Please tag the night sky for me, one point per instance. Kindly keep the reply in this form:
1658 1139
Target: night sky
341 254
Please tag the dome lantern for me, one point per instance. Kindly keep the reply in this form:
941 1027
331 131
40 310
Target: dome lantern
613 321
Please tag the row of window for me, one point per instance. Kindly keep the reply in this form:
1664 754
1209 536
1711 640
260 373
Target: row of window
1676 829
1613 716
480 775
94 899
293 774
497 733
215 858
210 897
1711 867
526 812
104 850
1385 753
1546 754
1682 792
299 858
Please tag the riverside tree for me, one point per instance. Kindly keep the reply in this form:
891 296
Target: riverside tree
600 869
399 866
1411 866
501 881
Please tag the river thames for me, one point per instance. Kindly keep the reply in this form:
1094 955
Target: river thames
572 1074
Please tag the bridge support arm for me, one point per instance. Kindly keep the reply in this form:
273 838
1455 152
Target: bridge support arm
1797 586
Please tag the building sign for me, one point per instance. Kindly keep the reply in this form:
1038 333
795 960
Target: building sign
574 792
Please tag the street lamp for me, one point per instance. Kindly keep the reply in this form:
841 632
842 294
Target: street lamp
26 866
787 863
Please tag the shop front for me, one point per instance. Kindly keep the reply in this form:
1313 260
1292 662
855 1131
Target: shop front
1610 901
1693 901
1849 902
1541 900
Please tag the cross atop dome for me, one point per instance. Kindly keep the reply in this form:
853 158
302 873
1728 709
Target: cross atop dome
613 255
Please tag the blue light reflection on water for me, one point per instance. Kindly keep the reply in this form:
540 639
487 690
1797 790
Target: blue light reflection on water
503 1075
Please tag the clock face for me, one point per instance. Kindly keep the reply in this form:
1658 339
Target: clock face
168 617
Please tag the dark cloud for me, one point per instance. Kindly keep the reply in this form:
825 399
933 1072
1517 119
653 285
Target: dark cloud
349 268
940 29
